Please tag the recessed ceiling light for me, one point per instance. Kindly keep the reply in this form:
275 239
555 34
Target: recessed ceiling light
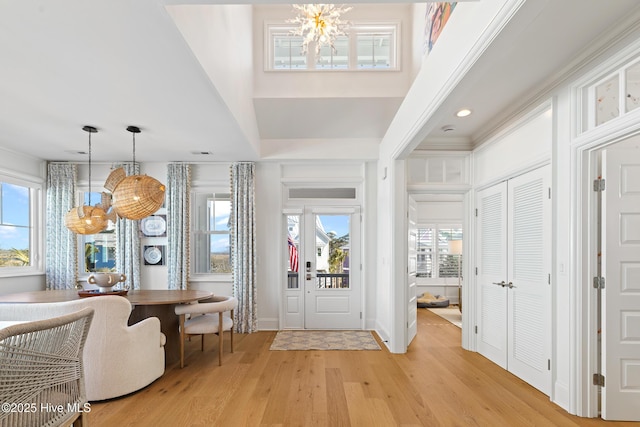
463 113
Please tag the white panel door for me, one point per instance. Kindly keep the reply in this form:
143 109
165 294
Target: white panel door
412 264
529 278
491 223
621 295
331 269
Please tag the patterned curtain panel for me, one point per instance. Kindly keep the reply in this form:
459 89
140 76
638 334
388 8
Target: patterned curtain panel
61 257
128 242
243 245
178 223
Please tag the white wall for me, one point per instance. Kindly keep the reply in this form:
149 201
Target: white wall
227 62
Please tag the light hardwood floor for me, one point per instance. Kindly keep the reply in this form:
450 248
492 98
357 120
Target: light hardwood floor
436 383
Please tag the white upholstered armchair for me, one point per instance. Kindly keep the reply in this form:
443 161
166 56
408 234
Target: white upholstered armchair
118 359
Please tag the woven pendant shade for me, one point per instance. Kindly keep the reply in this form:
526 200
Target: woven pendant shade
86 219
135 196
138 196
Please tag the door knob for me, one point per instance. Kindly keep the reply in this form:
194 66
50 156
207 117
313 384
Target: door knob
503 284
510 285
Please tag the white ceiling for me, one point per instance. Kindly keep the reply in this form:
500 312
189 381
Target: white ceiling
116 63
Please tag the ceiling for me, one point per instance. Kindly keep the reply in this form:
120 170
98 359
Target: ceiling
116 63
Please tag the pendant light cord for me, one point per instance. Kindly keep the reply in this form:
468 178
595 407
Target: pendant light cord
134 150
89 168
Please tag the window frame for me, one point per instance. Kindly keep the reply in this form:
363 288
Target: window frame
356 28
437 227
194 232
36 225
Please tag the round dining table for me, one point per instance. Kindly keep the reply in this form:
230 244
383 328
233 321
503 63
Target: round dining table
146 303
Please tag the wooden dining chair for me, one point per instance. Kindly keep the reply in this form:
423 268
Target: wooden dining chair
213 317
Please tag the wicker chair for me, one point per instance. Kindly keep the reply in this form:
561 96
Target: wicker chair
207 318
41 372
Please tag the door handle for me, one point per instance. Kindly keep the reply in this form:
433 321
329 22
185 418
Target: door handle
503 284
510 285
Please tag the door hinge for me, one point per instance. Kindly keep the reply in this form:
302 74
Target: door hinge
476 211
361 317
598 379
598 282
476 271
476 329
548 364
598 184
549 192
549 279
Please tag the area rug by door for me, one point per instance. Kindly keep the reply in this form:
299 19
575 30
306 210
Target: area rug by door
324 340
452 315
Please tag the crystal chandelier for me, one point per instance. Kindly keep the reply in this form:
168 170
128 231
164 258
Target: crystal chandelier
319 23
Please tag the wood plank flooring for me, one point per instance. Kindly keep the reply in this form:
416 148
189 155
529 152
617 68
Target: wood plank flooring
436 383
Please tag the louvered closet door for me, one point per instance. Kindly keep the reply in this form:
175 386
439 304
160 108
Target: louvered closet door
528 283
491 223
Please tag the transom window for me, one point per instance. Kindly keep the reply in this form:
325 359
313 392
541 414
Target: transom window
365 47
211 234
434 259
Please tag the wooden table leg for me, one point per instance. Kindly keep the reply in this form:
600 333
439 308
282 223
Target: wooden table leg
168 325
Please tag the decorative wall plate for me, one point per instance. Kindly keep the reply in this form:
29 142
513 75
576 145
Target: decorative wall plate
152 255
154 226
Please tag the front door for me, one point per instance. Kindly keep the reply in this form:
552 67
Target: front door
323 285
621 293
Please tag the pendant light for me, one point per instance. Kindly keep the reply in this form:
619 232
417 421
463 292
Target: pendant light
87 219
134 196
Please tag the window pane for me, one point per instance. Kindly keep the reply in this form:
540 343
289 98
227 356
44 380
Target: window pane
293 246
633 87
448 263
100 251
220 253
14 246
374 50
15 205
607 104
332 251
287 52
335 59
425 252
222 211
15 230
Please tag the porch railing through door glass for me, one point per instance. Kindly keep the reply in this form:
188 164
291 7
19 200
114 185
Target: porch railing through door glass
324 280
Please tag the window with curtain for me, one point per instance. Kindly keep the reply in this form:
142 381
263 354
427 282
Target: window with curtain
211 250
18 213
96 252
434 259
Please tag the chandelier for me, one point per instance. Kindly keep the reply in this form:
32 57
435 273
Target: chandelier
134 196
89 219
319 23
